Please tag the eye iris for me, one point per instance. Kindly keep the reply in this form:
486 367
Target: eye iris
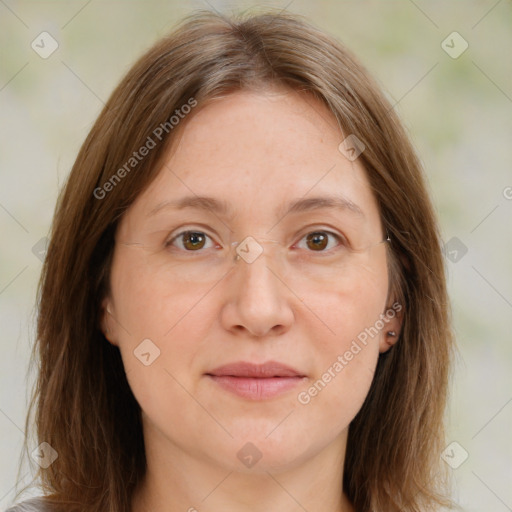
195 239
319 240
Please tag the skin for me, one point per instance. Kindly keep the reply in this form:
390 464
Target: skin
258 151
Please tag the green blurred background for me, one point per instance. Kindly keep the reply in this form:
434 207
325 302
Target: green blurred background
458 112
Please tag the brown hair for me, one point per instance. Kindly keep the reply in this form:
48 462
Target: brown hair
84 406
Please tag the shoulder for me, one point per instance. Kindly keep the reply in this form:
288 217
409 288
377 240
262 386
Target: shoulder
32 505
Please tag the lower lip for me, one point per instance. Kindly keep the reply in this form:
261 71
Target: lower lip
257 388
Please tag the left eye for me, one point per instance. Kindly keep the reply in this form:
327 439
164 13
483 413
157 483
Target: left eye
317 241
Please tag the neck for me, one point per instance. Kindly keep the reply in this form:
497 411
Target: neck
176 481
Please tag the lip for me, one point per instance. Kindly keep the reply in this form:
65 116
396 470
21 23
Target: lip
265 370
256 381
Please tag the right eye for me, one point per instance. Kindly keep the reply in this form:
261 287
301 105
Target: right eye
190 241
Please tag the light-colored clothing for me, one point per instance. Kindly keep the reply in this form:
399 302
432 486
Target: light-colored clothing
31 505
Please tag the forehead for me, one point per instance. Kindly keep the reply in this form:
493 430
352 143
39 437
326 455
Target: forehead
246 130
258 152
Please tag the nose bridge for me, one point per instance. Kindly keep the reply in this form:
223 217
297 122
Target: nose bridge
250 249
262 300
253 259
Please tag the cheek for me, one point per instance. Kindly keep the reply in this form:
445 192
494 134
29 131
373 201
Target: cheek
147 303
336 397
348 360
351 307
349 349
174 320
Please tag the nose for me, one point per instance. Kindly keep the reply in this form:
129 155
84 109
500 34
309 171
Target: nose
258 301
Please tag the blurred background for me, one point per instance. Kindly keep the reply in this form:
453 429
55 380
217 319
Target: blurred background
447 69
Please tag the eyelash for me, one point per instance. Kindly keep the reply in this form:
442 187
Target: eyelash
342 241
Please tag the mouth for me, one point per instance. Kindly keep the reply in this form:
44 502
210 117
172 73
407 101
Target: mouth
256 382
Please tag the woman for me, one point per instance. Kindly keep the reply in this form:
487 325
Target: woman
243 304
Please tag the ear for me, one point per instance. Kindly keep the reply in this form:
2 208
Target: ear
390 334
108 324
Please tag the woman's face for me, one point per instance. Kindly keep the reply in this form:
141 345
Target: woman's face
181 308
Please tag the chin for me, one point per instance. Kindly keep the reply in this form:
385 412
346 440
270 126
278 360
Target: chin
254 451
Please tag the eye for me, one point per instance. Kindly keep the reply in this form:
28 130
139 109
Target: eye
191 241
317 241
195 241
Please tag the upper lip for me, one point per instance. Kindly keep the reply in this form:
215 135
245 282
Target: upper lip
251 370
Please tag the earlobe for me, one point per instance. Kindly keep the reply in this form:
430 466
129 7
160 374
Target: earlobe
107 325
391 338
392 329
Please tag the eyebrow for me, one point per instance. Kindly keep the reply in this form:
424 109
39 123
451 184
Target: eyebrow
222 207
